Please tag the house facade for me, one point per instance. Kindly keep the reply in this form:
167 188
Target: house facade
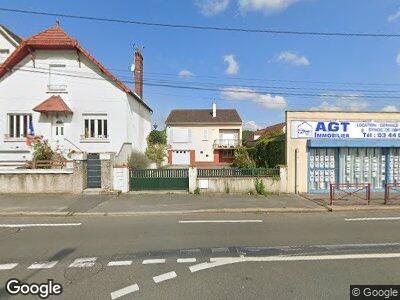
50 86
203 137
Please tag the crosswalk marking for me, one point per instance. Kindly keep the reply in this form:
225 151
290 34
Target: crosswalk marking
83 262
119 263
43 265
8 266
153 261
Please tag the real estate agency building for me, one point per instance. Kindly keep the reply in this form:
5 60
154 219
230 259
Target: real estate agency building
341 147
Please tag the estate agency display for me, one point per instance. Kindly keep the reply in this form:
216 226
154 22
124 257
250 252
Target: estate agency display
350 152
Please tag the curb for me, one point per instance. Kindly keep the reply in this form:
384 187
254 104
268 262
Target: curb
364 208
182 212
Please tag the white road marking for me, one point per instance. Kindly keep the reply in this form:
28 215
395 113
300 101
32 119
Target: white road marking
39 225
153 261
221 221
231 260
374 219
43 265
186 260
125 291
83 262
165 276
119 263
218 250
8 266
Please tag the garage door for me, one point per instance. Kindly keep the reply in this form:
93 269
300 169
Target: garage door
181 157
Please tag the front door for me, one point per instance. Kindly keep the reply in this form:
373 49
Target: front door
93 171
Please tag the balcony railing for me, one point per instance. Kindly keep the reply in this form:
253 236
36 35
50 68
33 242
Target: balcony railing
227 143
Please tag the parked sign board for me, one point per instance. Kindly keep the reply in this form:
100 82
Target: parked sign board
345 130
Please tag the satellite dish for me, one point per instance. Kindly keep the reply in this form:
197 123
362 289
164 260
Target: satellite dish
133 68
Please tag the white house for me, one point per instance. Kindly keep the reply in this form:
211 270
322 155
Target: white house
51 83
203 137
9 41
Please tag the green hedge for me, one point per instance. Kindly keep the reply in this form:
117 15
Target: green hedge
269 152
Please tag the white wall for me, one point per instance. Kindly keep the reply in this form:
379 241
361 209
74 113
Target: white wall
197 141
5 43
23 89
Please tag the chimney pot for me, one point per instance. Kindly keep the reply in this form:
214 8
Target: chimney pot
138 73
214 110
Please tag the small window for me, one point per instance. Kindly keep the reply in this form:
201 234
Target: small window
57 78
18 125
3 55
95 127
205 135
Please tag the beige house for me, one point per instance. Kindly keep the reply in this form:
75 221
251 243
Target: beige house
341 147
203 137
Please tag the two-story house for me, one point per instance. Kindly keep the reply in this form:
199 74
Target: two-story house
50 84
203 137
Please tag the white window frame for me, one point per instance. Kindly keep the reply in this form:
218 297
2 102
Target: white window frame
55 69
93 121
16 120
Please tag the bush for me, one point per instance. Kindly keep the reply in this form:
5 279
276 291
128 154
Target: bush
269 152
260 187
157 137
157 153
42 150
242 159
138 160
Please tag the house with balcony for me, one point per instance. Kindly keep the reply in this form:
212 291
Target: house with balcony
51 87
203 137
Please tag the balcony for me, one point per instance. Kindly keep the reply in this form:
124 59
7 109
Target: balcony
227 143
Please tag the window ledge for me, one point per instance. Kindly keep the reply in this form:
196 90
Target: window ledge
14 140
94 141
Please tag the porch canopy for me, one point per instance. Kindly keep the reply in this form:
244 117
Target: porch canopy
53 104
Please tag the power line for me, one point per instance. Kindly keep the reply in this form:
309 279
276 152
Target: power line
227 90
208 28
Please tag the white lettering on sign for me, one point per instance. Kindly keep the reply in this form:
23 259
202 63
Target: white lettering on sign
344 130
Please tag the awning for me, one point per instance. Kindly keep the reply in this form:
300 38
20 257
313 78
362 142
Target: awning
353 143
53 104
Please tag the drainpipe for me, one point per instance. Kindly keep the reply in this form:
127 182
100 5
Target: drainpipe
296 152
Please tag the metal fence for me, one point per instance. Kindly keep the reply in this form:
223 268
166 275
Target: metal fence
271 172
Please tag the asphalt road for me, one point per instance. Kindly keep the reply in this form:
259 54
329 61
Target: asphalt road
265 256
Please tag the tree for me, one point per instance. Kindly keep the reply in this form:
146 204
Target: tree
157 137
242 159
157 153
245 134
270 151
137 160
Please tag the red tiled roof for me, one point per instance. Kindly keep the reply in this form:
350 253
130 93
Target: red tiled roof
56 38
53 104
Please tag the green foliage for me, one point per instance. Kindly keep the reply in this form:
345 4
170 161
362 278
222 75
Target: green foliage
42 150
157 153
157 137
196 191
260 187
269 152
245 135
242 159
138 160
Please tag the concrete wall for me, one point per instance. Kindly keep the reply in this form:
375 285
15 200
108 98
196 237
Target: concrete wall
296 149
237 184
198 142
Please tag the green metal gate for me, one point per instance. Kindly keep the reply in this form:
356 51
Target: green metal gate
157 180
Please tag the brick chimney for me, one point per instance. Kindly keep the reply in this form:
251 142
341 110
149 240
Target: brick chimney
138 73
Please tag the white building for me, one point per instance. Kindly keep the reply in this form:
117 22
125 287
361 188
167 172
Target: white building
9 41
203 137
70 99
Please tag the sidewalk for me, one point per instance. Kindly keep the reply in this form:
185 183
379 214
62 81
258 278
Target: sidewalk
150 204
